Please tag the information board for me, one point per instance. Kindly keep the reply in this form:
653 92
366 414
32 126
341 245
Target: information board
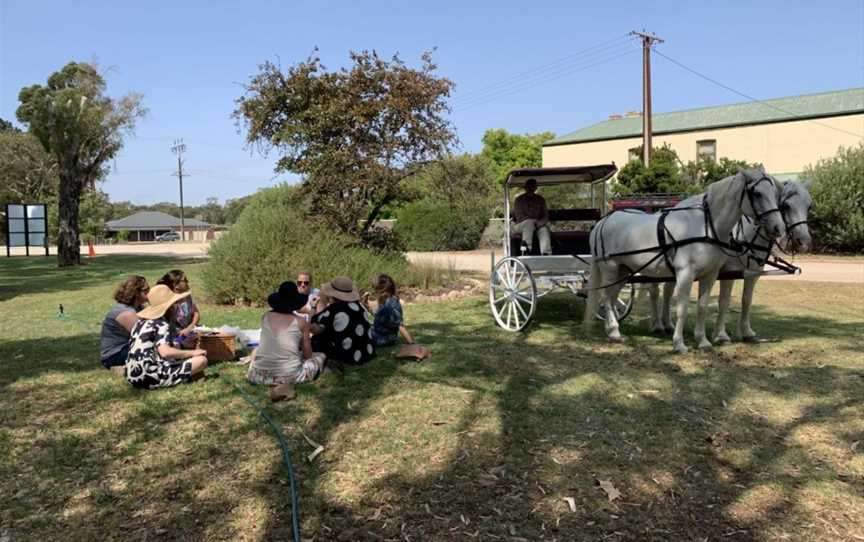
26 226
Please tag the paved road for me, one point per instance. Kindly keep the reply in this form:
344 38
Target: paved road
812 267
186 249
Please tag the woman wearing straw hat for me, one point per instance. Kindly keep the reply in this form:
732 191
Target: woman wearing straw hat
284 356
153 362
341 329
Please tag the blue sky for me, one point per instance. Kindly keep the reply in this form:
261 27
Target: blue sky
189 60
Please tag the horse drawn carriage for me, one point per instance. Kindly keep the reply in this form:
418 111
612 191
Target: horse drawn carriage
524 275
521 277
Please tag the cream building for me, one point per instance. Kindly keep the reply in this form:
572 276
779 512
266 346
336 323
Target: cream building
784 134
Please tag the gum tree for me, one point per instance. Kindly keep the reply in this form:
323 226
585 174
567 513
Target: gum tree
82 129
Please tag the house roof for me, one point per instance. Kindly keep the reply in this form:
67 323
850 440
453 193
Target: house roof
152 220
807 106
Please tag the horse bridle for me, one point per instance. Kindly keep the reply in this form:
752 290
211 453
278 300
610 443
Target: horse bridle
785 205
752 246
749 189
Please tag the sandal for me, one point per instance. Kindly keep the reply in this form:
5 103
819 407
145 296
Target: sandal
282 391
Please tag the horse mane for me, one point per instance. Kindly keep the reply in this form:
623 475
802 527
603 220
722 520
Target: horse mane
724 188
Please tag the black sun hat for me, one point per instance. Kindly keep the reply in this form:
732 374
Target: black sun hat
287 299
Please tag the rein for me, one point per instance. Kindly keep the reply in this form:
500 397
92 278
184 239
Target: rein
710 237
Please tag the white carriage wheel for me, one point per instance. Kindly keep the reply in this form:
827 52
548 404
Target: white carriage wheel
626 298
512 294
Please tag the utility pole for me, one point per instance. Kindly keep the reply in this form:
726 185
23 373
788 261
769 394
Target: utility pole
647 41
179 148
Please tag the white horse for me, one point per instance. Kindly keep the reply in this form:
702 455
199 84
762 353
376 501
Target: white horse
687 243
795 201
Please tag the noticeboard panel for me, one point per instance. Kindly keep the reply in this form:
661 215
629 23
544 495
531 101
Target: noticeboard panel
26 226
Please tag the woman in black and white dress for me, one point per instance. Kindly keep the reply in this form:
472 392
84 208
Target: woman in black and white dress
341 329
153 362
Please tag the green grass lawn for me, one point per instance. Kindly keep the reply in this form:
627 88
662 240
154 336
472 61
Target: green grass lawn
487 440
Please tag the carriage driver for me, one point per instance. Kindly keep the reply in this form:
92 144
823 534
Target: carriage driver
530 214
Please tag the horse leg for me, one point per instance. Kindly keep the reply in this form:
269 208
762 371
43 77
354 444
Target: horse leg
668 290
610 299
656 320
720 335
744 330
683 284
705 286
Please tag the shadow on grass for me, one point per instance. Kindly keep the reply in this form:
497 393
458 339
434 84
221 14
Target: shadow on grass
700 446
22 276
677 436
33 358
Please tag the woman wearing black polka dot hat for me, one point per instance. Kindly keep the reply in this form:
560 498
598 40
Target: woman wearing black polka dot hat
342 330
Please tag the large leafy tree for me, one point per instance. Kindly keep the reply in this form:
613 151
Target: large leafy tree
28 174
509 151
82 129
465 182
354 134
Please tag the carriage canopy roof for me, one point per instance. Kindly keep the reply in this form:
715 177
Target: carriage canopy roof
561 175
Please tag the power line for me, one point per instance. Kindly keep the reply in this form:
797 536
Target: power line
543 76
751 98
514 90
200 143
555 64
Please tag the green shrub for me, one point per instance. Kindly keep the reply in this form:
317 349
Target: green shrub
273 239
426 226
837 216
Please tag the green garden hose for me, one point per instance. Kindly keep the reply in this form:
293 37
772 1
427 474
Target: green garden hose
280 436
286 454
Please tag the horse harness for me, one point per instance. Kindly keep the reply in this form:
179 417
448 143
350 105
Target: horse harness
665 246
751 249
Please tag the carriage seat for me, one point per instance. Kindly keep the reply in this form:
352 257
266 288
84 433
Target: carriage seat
563 242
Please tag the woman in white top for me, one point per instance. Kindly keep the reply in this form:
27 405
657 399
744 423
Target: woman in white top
284 356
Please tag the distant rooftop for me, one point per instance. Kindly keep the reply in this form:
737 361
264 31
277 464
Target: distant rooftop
807 106
152 220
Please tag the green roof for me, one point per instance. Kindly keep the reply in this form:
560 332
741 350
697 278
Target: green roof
808 106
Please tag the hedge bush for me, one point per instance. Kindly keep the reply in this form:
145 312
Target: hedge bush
426 226
837 216
273 239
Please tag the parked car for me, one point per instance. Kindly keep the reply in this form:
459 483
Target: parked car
168 236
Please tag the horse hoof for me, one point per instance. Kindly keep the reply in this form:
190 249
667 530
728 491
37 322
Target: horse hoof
706 347
722 339
669 329
616 339
750 339
658 330
679 349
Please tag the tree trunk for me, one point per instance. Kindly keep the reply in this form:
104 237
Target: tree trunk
68 246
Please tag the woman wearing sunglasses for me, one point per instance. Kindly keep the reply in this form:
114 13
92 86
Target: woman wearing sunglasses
131 297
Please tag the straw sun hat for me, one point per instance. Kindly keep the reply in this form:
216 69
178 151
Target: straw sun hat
341 288
161 298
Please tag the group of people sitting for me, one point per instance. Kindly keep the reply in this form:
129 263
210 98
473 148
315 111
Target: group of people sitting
149 334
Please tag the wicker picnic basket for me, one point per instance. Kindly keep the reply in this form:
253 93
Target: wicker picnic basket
219 346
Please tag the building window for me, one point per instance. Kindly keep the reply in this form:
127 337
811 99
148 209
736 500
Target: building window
634 154
706 150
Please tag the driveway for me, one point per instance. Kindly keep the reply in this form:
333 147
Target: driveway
813 268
